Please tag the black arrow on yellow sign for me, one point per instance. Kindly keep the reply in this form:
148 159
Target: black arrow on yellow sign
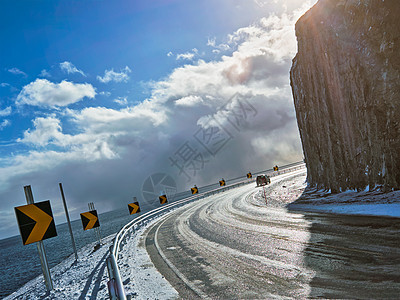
35 222
194 190
163 199
222 182
90 220
276 168
249 175
134 208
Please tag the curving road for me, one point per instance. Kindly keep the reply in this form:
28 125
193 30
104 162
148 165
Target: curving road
234 246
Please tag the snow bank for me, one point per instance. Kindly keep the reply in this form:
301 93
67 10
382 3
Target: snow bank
141 278
85 279
350 202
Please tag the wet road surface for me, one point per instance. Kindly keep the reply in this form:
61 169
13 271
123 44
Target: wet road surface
235 246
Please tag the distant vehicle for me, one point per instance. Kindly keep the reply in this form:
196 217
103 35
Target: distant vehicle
262 179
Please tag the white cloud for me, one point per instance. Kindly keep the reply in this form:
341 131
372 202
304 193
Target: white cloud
217 48
5 112
4 124
68 67
107 94
46 129
17 71
44 93
111 75
96 120
44 73
187 55
169 54
189 101
121 101
4 84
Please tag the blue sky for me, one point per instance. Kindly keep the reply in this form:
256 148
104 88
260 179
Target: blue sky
99 95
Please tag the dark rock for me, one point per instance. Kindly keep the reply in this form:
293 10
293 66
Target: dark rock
345 81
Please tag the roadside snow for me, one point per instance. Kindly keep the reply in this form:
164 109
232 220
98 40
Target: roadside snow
86 279
350 202
141 278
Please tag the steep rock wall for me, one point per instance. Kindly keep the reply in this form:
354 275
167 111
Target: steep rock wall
345 81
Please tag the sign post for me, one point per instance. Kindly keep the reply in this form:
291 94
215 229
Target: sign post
68 221
90 220
40 246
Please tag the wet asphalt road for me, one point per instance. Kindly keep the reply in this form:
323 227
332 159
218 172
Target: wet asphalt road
234 246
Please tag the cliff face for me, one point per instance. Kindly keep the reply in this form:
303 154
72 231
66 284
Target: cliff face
345 81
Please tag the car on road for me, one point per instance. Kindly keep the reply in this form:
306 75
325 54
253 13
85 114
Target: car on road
262 179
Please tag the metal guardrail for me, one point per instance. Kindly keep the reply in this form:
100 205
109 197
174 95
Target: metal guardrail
115 285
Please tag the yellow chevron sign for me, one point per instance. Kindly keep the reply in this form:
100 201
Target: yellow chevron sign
194 190
249 175
35 222
276 168
222 182
90 220
163 199
134 208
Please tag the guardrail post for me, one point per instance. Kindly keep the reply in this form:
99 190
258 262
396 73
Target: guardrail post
111 283
117 277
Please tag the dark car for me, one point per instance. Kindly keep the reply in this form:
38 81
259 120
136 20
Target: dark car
262 180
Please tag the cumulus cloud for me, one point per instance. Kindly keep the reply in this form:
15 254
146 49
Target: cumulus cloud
5 112
190 100
111 75
121 101
187 55
217 48
44 93
69 68
46 129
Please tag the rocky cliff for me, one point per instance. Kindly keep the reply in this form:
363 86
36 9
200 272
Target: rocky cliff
345 81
